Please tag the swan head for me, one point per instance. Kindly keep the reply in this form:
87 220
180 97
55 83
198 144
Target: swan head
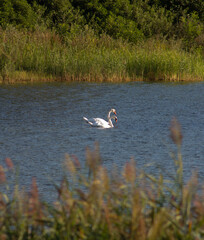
115 118
113 110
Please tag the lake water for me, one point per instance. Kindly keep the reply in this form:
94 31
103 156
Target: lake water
41 122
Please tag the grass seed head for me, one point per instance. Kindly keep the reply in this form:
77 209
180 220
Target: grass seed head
130 171
2 175
175 130
9 163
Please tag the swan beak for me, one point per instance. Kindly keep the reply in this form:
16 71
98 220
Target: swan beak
115 113
116 120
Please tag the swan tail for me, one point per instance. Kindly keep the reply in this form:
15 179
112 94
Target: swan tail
86 119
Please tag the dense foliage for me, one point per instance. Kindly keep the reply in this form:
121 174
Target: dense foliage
131 20
108 40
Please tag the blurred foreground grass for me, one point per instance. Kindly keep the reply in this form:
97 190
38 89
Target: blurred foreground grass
130 204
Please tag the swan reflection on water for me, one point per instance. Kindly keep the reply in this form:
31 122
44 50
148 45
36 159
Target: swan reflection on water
99 122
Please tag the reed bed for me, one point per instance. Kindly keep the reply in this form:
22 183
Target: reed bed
130 204
43 56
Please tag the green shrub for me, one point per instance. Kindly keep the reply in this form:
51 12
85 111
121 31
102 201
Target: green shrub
119 27
16 12
129 20
191 28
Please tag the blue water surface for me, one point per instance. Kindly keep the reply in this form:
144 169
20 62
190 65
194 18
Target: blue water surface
40 123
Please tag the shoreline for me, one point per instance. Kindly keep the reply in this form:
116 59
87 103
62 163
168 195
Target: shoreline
27 78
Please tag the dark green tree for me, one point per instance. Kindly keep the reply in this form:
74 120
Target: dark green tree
16 12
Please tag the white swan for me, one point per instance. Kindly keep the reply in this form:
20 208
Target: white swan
99 122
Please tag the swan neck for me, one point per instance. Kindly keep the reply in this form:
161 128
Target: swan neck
109 115
110 122
109 119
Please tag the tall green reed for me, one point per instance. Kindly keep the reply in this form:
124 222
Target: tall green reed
86 57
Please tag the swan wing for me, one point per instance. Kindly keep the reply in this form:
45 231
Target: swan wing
97 122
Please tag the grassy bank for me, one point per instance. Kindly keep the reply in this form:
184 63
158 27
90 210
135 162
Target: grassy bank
130 204
44 56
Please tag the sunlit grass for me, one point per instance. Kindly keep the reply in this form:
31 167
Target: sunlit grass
85 57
